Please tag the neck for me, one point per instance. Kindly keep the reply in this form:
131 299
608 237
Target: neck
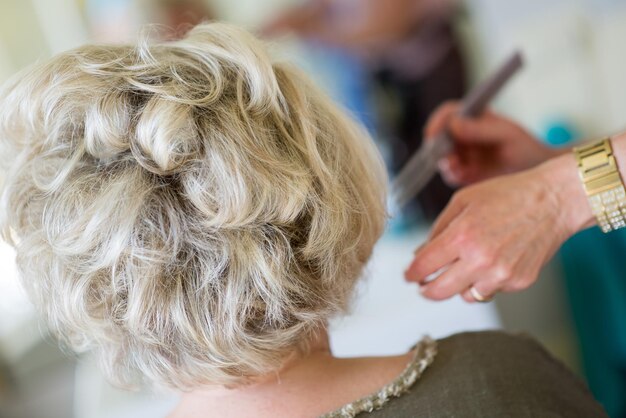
310 383
294 364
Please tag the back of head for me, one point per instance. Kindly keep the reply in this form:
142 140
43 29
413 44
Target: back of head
191 210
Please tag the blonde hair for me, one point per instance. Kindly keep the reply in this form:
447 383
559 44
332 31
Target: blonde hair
191 210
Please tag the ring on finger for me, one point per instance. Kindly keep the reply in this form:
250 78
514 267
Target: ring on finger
478 297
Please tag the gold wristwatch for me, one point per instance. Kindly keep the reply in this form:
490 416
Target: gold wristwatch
603 184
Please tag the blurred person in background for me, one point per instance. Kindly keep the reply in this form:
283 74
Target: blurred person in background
413 57
120 20
195 213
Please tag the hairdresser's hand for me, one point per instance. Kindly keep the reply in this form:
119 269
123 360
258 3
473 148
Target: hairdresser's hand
485 147
497 235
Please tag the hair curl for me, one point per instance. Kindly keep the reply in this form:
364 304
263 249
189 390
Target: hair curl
191 210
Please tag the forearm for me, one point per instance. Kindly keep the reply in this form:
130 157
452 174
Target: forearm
560 174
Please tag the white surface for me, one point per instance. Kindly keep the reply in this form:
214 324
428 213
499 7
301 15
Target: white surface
390 315
18 327
61 23
574 64
6 67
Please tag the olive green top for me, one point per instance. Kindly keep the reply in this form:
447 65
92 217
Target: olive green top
483 374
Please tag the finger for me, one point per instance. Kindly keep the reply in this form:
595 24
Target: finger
431 257
450 163
485 288
468 297
447 174
453 172
455 280
438 122
453 160
463 176
521 281
453 177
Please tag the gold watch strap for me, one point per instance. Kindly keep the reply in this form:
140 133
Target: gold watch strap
604 187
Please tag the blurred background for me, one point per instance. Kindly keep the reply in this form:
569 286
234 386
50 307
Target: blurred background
391 63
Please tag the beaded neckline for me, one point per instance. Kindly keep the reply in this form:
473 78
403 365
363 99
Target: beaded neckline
425 352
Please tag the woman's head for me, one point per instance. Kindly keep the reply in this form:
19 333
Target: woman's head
191 210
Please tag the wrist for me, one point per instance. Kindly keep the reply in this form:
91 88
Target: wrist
555 152
618 143
561 176
544 153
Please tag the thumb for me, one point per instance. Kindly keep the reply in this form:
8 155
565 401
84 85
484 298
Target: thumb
487 129
438 121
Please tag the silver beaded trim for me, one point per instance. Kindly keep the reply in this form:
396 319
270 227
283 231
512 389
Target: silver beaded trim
609 208
425 352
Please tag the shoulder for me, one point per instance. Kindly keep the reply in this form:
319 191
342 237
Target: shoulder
494 374
492 350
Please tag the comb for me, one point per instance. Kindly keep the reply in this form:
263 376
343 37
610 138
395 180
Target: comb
422 166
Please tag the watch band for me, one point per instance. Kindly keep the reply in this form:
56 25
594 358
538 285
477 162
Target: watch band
604 187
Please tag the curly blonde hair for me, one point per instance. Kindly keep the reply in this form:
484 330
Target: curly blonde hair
192 210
